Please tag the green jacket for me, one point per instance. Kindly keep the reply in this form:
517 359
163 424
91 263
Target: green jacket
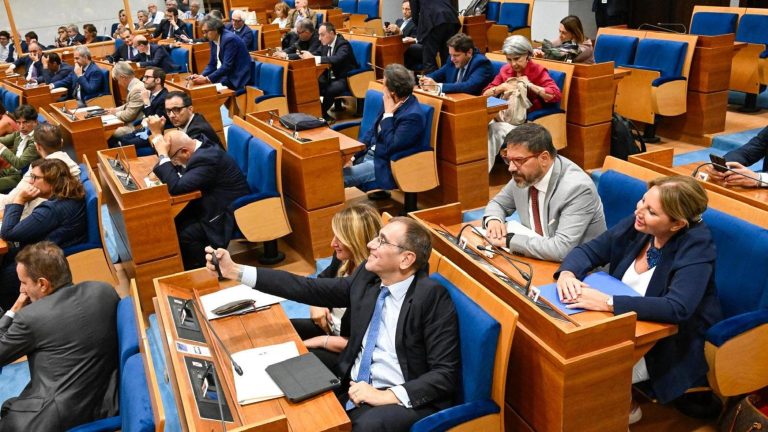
18 163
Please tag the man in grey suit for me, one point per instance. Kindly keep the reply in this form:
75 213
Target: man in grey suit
554 197
68 332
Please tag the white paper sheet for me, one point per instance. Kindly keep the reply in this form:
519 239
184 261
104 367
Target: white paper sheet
255 385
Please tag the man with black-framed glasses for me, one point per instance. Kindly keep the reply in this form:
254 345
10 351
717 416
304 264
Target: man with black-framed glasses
556 200
182 115
402 360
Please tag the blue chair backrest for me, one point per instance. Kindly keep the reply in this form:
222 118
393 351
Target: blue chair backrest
255 44
102 38
318 19
371 108
664 55
91 209
237 146
188 29
559 78
429 113
616 48
492 11
127 331
478 339
290 3
135 406
180 57
348 6
497 65
11 101
362 52
713 23
255 71
368 7
513 15
118 43
262 167
106 79
619 194
753 29
270 79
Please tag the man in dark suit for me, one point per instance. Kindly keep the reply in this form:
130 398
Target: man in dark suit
469 71
54 69
738 161
171 26
152 55
153 96
410 369
437 21
73 36
127 50
187 165
31 63
7 54
405 27
398 132
305 38
69 334
238 27
89 80
230 62
337 52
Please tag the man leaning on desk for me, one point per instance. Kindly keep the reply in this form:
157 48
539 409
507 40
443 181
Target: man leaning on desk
230 62
402 360
553 196
469 71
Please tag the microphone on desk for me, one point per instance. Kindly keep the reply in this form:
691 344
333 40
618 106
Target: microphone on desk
695 172
274 116
210 369
658 27
527 276
201 317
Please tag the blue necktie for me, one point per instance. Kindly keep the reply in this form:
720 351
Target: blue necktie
364 373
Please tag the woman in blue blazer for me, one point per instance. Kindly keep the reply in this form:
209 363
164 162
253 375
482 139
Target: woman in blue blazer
666 253
60 219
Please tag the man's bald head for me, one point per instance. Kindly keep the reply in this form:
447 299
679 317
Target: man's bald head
180 146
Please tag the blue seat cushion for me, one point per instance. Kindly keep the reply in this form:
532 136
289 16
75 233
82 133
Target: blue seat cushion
71 250
135 406
545 111
108 424
665 55
753 29
714 23
513 15
616 48
455 415
727 329
663 80
478 339
127 332
247 199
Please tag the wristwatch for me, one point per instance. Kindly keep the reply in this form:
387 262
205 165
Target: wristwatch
609 301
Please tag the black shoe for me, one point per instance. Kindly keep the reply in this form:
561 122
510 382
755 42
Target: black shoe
379 195
700 405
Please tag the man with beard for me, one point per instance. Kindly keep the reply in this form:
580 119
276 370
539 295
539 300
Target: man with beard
553 197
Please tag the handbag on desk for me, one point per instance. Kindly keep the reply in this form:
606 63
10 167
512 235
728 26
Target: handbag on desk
745 416
516 95
301 121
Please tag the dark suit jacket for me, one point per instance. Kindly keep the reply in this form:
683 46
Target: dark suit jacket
51 78
70 339
342 59
235 70
157 105
200 129
427 340
681 291
410 29
79 39
292 44
432 14
216 175
331 272
122 53
751 152
91 82
61 221
246 34
11 50
400 136
158 57
26 62
165 26
478 74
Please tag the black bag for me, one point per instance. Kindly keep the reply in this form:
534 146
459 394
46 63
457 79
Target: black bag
624 133
301 121
745 416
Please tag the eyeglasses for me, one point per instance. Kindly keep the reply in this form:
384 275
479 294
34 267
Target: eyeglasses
34 177
147 76
175 111
380 240
520 161
176 153
237 20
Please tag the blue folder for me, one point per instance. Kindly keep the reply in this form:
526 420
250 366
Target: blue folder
600 281
494 102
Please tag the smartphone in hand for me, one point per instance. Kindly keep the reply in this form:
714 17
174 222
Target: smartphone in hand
718 163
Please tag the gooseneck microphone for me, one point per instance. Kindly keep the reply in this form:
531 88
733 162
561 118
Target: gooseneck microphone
725 168
201 317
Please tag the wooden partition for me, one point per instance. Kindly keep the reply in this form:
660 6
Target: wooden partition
85 136
476 27
565 374
39 96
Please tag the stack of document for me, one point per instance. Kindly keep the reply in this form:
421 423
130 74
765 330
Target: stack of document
236 293
255 385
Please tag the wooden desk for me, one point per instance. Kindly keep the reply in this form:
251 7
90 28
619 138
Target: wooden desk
144 221
97 49
37 96
269 35
206 100
386 49
303 89
313 182
267 327
563 376
3 247
85 136
476 27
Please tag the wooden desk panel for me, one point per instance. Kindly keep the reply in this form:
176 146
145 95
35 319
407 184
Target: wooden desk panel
476 27
580 370
711 64
85 136
39 96
267 327
303 89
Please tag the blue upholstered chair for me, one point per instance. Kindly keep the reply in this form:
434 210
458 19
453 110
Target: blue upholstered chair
348 6
486 329
553 115
90 260
261 215
105 97
713 23
180 57
103 38
742 287
269 89
11 100
118 43
492 10
291 3
359 78
127 331
619 49
370 8
749 68
513 17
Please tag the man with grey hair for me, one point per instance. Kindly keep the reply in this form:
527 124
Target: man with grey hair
398 132
143 22
195 11
73 36
89 80
238 27
305 38
132 109
230 62
556 200
154 16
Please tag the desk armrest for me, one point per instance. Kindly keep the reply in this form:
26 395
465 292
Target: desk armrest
663 80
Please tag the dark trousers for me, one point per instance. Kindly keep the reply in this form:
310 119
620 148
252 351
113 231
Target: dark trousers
9 282
306 328
434 43
384 418
330 90
413 57
192 242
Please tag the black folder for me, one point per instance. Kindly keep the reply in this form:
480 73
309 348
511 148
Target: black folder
303 377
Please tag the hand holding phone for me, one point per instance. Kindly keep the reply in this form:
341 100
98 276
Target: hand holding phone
718 163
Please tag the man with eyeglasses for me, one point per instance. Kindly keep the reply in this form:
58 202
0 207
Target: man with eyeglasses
186 165
556 200
305 38
153 97
126 51
17 149
238 27
402 360
31 63
230 62
152 55
182 115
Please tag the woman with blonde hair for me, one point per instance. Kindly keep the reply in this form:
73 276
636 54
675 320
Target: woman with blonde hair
664 252
281 15
326 331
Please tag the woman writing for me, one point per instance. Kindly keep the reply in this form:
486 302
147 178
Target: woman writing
665 252
327 331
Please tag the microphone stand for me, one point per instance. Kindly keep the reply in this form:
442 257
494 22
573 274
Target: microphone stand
201 318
